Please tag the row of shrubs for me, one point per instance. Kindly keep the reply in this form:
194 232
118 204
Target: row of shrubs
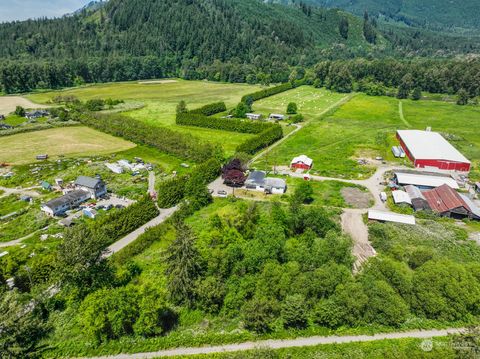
193 186
262 140
120 223
255 96
178 144
225 124
210 109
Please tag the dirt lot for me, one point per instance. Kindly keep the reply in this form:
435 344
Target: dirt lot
157 82
356 198
9 103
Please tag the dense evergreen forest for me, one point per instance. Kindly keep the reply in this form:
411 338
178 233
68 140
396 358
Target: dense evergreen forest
222 40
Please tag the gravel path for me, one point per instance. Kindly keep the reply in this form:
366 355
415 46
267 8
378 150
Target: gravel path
125 241
289 343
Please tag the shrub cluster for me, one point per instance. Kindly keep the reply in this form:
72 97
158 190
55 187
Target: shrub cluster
268 92
168 141
172 191
210 109
262 140
120 223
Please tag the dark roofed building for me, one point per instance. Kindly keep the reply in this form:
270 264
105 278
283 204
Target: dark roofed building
95 186
256 180
419 202
449 203
66 202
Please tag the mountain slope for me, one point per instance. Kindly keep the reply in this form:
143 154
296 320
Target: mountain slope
434 14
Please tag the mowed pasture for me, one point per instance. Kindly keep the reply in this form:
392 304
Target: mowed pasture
365 127
310 101
160 99
67 141
9 103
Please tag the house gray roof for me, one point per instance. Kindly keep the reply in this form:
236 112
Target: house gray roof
275 183
88 182
65 199
256 177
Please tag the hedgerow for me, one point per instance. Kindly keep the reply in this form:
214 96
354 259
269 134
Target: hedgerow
262 140
171 142
268 92
210 109
225 124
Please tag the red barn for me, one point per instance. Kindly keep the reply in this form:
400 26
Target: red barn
449 203
430 149
302 162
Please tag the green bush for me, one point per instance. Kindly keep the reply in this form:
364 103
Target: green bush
225 124
269 92
164 139
210 109
171 192
262 140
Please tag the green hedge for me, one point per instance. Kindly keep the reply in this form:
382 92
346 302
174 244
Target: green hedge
225 124
178 144
268 92
122 222
210 109
262 140
172 191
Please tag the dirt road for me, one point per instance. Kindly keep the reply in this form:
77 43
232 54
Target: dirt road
289 343
353 225
9 103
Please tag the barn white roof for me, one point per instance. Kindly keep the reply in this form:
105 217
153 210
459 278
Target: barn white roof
424 180
304 159
390 217
425 145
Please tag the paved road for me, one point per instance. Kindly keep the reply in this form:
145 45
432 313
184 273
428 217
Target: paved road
289 343
151 183
125 241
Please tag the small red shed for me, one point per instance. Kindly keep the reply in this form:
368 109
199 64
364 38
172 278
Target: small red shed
302 162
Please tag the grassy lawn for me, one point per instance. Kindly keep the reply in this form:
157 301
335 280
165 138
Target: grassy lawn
310 101
11 204
161 99
67 141
460 124
365 128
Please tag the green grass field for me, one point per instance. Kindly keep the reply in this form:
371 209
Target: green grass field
310 101
160 100
365 127
66 141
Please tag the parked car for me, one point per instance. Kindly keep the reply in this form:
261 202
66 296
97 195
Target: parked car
222 193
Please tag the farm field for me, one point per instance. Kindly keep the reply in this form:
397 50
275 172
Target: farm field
160 98
310 101
365 127
9 103
67 141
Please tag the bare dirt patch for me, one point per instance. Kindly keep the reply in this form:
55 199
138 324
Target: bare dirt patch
157 82
356 198
9 103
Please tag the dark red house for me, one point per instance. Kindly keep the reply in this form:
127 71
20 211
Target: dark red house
449 203
430 149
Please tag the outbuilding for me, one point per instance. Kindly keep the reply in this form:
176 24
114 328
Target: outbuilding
381 216
447 202
277 117
302 162
424 181
419 202
275 185
254 116
400 197
430 149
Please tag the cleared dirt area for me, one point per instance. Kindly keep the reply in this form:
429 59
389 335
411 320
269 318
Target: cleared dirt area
352 224
9 103
157 82
356 198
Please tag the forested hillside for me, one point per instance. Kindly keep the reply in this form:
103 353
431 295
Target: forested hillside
223 40
436 14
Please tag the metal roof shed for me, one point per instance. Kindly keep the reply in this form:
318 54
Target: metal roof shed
401 197
390 217
424 181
